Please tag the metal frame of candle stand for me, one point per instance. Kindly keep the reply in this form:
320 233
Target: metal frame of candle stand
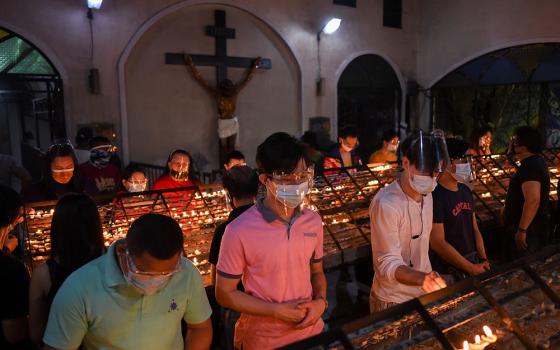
116 204
420 305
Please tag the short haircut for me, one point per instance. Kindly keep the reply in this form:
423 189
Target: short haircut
241 182
529 137
413 154
10 204
76 232
456 148
388 135
234 155
158 235
348 131
99 141
131 169
280 152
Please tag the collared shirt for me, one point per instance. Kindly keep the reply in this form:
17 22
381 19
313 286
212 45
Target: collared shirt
395 220
273 258
96 307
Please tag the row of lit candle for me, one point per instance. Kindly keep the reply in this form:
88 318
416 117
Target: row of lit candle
481 342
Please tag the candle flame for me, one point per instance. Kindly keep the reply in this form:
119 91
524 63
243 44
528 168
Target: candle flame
477 339
465 345
487 331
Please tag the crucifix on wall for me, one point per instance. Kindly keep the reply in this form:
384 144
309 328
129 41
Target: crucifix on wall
225 93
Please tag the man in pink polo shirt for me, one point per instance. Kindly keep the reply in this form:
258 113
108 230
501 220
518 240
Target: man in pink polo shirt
276 248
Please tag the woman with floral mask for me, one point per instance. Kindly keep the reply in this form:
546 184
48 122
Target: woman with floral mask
177 174
276 246
401 221
60 175
388 151
344 154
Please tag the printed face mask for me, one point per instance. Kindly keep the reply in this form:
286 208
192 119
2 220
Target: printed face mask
181 175
100 158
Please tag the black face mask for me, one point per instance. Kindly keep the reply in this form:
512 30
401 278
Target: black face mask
179 175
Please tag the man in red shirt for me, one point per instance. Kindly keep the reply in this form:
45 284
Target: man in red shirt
99 176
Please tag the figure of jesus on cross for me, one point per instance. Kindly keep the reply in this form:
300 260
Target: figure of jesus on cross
225 95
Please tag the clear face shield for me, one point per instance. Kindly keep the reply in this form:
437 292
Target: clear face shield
428 153
291 189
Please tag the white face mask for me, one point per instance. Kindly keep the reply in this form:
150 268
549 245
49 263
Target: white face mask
291 196
346 148
462 173
136 187
392 148
423 184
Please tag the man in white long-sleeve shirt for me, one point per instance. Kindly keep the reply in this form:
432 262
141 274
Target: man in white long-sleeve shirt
401 221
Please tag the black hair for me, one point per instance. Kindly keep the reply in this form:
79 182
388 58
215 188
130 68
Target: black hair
477 134
241 182
76 231
131 169
84 135
414 154
388 135
10 204
348 131
529 137
234 155
280 152
309 138
227 87
158 235
47 183
99 141
192 176
456 148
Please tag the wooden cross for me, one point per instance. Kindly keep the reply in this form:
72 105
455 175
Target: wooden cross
220 60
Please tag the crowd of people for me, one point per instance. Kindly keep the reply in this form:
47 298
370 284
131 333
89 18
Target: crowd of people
268 284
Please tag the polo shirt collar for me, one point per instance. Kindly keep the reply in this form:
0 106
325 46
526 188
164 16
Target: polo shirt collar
270 216
113 273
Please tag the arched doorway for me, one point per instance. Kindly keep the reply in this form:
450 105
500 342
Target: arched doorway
502 90
369 97
31 100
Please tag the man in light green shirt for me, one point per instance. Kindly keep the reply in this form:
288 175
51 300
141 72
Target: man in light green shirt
133 297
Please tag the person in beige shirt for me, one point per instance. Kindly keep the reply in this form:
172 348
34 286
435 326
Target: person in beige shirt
388 152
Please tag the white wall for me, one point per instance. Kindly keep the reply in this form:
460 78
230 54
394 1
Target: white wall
60 28
452 33
438 36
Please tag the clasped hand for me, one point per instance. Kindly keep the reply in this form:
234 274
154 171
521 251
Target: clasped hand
303 313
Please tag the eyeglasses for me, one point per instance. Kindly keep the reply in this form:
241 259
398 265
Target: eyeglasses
106 148
132 268
293 178
69 170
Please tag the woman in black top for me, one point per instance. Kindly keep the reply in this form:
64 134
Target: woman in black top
76 238
526 212
60 175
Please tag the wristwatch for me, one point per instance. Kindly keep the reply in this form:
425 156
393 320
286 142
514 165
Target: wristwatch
325 300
